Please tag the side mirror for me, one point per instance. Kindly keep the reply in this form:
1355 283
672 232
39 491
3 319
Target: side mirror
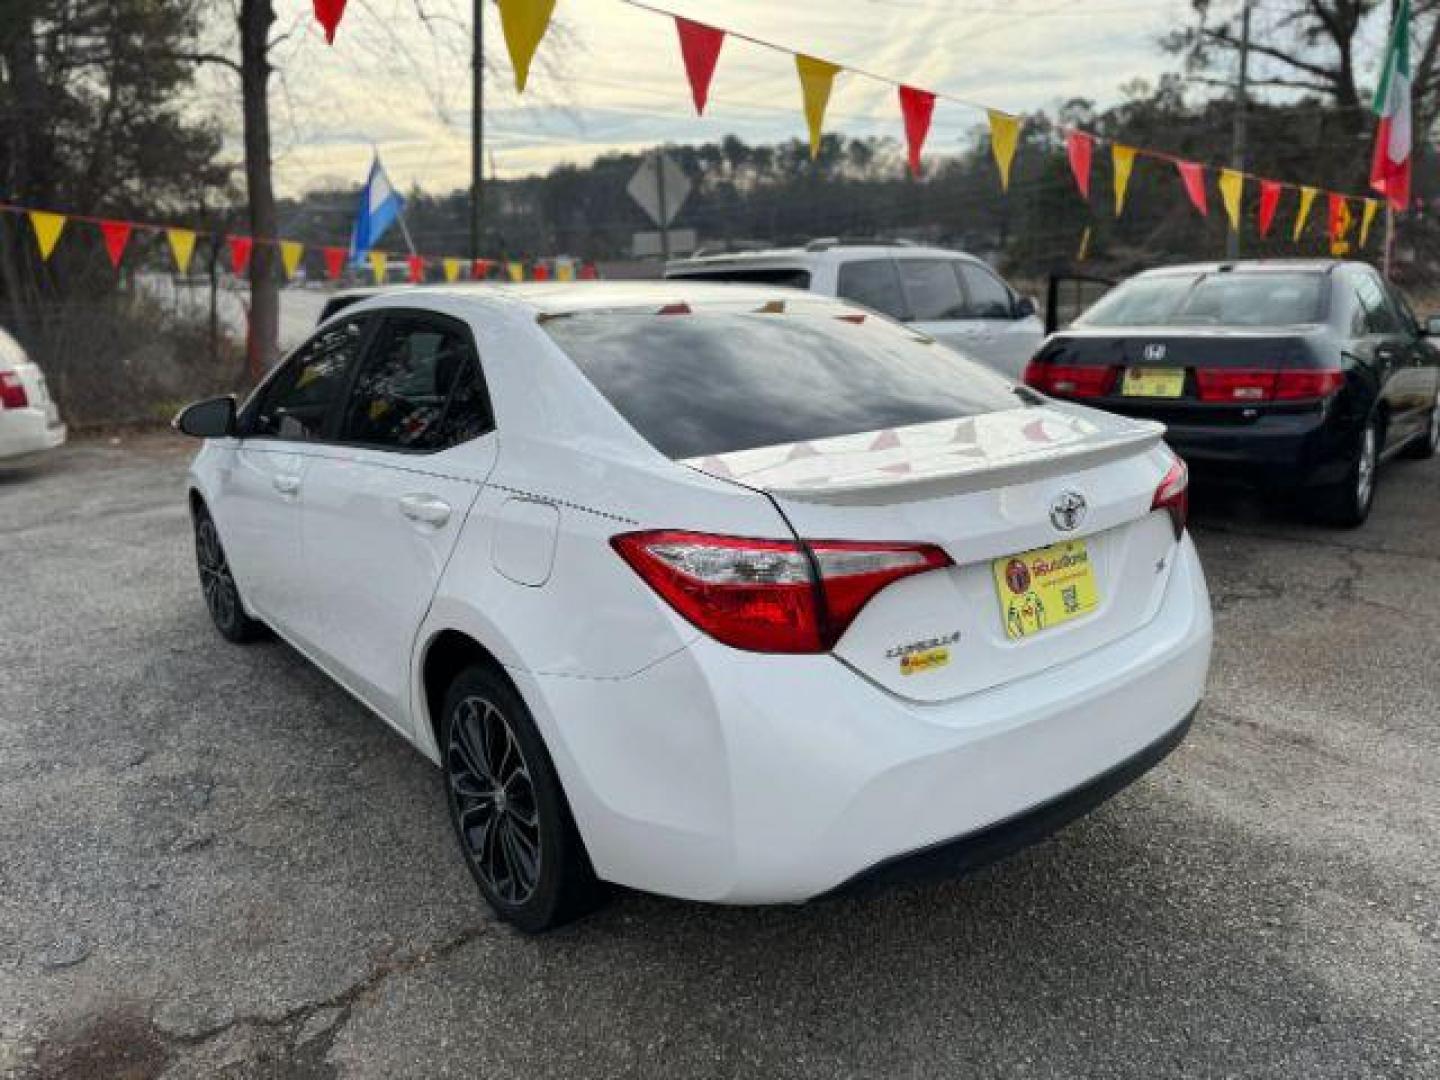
1432 326
213 418
1025 307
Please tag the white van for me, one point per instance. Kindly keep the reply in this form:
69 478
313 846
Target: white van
953 297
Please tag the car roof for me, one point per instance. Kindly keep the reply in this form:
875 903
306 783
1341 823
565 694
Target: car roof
563 298
1281 266
815 253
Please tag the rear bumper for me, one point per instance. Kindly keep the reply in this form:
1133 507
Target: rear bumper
27 431
726 776
1311 446
968 853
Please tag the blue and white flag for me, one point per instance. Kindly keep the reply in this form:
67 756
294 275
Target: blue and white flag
380 205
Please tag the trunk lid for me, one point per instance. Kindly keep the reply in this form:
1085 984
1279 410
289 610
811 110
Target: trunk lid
984 489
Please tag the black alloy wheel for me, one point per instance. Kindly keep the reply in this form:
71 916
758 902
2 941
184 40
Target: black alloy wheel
508 807
222 597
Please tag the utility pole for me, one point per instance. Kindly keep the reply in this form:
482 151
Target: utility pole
477 134
1237 134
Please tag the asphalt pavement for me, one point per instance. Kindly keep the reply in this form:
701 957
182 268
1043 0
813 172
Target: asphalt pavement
215 863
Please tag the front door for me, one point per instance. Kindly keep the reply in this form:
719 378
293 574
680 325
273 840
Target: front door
386 499
258 509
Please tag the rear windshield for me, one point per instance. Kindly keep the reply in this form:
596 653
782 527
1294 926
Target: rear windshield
785 276
1227 299
711 382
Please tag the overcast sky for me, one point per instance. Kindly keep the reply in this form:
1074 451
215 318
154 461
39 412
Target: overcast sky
610 77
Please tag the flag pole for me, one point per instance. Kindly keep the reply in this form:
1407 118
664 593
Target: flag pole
1388 257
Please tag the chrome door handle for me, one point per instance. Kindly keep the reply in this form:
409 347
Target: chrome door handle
286 483
425 509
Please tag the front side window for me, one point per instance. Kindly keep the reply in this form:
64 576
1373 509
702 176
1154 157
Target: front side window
299 399
874 283
419 388
989 297
932 291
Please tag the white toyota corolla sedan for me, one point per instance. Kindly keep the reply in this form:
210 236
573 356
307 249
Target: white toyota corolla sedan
724 592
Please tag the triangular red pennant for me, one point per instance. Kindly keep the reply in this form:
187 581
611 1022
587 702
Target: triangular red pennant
334 261
117 235
480 269
329 13
1193 175
542 272
1269 200
1081 149
916 106
240 253
416 263
700 49
588 272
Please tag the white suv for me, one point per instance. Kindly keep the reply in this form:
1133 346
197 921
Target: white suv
953 297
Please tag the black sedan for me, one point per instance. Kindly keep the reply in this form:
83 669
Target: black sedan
1301 376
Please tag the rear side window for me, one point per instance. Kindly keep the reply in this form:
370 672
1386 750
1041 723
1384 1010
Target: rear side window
784 276
419 388
874 283
299 400
1380 318
713 382
989 296
932 291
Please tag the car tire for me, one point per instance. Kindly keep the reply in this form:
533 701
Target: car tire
1347 504
1428 443
508 808
217 583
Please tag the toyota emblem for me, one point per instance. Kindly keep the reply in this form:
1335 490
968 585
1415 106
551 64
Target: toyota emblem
1068 511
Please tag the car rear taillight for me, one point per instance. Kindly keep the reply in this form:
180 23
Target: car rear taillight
775 596
1244 386
1173 496
1070 380
12 391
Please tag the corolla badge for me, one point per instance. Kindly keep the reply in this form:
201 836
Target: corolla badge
1068 511
1154 353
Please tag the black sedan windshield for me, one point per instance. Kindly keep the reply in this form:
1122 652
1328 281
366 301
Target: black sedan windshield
1233 299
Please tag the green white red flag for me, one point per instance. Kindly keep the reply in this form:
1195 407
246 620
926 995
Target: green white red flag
1390 167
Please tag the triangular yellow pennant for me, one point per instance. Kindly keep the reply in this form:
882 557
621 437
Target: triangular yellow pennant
516 271
1004 134
452 269
1371 206
564 271
291 252
182 246
1124 159
379 263
1307 198
1084 252
524 23
47 228
816 79
1232 186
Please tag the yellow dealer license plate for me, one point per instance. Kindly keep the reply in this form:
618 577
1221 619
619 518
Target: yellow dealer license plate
1045 587
1153 382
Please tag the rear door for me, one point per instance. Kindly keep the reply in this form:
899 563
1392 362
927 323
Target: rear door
386 499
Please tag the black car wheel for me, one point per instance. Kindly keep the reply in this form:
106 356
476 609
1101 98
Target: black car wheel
222 597
508 808
1348 503
1427 445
